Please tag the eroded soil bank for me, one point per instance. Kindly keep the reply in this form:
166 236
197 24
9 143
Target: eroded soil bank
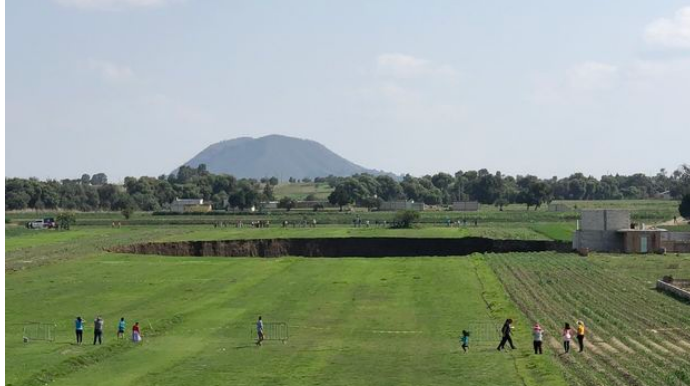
343 247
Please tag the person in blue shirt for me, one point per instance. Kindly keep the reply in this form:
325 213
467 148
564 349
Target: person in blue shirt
121 328
79 327
465 340
259 331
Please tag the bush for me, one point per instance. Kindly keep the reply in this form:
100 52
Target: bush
127 212
7 220
287 203
684 207
405 218
65 220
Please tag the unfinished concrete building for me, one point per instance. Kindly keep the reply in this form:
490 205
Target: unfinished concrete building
612 231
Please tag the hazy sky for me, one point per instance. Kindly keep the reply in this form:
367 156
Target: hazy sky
137 87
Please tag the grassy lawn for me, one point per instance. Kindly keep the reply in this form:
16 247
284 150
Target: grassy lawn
352 321
649 211
299 191
514 231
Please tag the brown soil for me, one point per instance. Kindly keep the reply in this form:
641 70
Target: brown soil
343 247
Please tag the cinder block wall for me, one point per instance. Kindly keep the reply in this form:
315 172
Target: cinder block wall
604 220
617 219
599 241
592 220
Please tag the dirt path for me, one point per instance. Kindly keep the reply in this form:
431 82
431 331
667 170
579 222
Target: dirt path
679 221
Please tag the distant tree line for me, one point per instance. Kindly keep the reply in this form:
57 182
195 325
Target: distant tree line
93 193
496 189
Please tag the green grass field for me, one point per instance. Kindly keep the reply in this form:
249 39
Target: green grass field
299 191
648 211
352 321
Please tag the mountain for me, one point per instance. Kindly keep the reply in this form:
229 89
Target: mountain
275 156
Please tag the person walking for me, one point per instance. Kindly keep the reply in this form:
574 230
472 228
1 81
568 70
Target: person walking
506 331
567 336
259 331
136 333
465 340
581 335
79 329
538 334
98 330
121 329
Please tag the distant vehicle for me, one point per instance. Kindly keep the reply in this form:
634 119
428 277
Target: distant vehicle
46 223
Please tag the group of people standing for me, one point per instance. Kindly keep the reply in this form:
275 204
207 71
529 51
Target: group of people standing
98 330
567 335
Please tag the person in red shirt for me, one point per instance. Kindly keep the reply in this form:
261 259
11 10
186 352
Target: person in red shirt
136 333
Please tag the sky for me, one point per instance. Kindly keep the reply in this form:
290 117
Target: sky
138 87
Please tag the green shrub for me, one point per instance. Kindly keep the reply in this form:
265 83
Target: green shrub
65 220
405 218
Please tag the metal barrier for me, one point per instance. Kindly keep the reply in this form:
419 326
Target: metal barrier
273 331
39 331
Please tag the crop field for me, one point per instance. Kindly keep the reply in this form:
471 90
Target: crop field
636 335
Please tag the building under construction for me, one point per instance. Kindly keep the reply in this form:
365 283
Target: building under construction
612 231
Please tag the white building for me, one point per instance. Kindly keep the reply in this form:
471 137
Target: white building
189 205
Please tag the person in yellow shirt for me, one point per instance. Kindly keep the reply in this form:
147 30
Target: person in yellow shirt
581 334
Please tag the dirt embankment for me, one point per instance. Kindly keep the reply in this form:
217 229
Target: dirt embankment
343 247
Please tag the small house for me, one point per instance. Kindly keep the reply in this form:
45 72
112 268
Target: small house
188 205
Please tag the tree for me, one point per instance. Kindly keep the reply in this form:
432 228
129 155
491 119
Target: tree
273 181
405 218
371 202
268 193
127 212
684 207
388 188
533 192
65 220
501 202
287 203
346 192
99 179
85 179
219 200
442 180
107 194
16 200
245 195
